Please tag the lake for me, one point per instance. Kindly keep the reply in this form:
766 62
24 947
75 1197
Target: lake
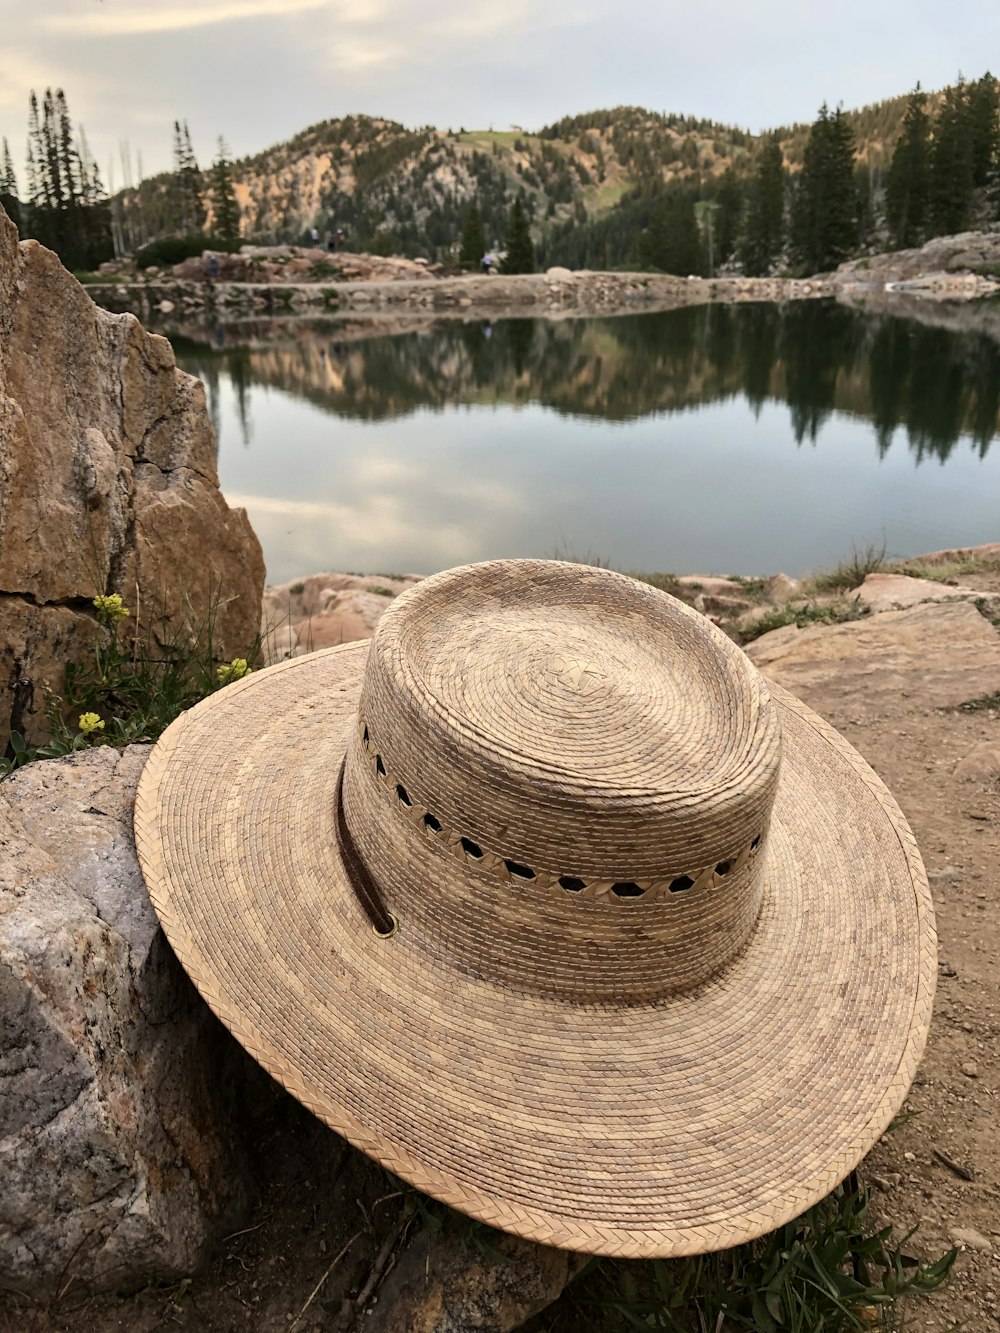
735 439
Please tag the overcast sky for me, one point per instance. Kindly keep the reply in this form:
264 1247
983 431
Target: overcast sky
259 70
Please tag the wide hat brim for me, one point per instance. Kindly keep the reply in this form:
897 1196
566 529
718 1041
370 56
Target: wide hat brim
668 1128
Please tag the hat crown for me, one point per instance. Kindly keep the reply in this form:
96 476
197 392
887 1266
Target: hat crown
564 779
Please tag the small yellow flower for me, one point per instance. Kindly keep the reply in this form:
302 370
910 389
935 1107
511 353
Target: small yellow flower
234 670
91 722
111 609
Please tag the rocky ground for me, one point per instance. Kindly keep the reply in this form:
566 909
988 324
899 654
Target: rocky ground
284 278
906 663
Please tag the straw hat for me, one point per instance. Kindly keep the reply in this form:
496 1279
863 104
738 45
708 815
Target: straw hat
547 902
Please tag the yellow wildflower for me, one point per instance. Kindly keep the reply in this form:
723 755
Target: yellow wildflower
90 722
234 670
111 609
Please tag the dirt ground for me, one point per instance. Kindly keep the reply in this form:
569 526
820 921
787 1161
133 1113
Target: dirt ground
328 1223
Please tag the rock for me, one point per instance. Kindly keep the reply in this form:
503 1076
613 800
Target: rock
443 1284
165 307
981 764
974 1240
108 484
116 1083
712 585
931 656
720 604
326 609
895 592
779 588
970 1069
945 874
556 271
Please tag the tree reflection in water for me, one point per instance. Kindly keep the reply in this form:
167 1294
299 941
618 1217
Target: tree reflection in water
818 357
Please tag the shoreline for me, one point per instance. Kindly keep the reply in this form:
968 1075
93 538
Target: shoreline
558 293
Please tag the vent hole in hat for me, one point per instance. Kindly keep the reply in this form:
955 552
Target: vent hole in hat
472 848
379 766
755 844
403 795
432 823
522 872
364 736
681 883
571 883
723 868
627 889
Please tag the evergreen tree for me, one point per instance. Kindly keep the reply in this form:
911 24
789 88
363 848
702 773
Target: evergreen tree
984 127
729 218
764 236
520 250
671 241
907 191
473 236
8 181
194 185
9 201
825 209
65 206
226 223
952 163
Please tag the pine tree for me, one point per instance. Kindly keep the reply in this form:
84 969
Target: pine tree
520 250
907 191
8 181
671 241
226 210
765 227
825 209
193 184
984 127
473 236
952 163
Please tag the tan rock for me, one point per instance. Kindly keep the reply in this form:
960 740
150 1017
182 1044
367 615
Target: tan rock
972 1239
930 656
981 764
712 585
895 592
780 588
109 484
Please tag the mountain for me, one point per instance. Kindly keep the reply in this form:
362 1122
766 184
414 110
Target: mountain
395 189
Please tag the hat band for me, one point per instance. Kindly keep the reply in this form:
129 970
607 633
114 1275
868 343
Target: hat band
362 880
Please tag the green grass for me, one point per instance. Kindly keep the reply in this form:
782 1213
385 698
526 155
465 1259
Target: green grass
133 687
984 704
812 613
381 591
849 573
833 1270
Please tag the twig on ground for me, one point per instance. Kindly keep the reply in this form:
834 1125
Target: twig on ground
963 1171
318 1287
381 1262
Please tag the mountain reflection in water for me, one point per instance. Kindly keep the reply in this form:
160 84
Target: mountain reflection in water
816 357
822 365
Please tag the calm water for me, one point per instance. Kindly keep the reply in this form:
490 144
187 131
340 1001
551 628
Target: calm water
736 439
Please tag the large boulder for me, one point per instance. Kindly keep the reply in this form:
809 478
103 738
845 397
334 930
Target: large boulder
118 1158
108 484
935 655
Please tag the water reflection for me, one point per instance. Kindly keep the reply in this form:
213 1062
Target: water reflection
817 358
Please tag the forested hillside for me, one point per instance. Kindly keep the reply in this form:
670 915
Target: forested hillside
624 187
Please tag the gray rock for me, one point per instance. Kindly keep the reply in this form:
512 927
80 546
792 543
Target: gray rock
972 1239
115 1079
445 1284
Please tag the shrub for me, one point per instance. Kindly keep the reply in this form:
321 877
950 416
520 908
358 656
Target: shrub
173 249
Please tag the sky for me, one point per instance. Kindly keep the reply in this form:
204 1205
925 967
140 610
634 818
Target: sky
257 71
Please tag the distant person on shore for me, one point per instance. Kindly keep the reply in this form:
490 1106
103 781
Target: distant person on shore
213 269
341 238
315 235
487 264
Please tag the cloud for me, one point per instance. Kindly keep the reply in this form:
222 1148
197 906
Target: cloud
157 17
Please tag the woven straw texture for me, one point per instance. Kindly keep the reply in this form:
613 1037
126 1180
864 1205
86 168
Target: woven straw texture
666 953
